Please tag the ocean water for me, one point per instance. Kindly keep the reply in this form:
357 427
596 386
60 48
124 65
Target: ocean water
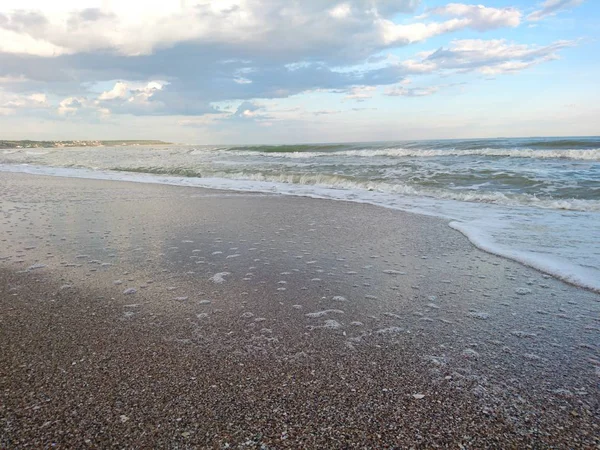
535 200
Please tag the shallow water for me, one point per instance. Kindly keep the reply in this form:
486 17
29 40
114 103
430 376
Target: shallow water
533 200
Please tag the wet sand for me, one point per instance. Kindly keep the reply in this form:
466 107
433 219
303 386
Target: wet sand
137 315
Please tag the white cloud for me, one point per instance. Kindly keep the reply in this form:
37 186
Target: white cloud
124 97
129 28
20 43
551 7
250 111
401 91
242 80
340 11
360 93
203 121
326 112
39 99
489 57
407 34
120 90
244 52
129 97
479 17
144 93
11 103
12 79
509 67
70 105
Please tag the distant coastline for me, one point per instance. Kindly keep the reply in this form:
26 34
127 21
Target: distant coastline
74 143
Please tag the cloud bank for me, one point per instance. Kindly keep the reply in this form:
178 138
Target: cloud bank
187 59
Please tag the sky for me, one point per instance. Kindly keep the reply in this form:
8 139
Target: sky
292 71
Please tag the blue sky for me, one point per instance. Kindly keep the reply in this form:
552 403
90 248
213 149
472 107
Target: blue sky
271 71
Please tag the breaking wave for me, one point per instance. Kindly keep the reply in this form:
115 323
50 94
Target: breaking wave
324 180
576 154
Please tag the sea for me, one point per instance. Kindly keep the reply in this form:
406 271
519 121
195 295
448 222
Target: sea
533 200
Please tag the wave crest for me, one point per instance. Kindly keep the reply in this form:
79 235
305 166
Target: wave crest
576 154
349 183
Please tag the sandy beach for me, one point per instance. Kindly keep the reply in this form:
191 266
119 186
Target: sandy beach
137 315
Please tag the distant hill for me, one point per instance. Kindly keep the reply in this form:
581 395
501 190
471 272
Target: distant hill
58 144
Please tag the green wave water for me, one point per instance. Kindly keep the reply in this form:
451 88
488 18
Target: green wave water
544 172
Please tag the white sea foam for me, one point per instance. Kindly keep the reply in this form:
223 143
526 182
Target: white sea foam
390 330
328 181
562 243
479 315
332 324
583 154
219 278
326 312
